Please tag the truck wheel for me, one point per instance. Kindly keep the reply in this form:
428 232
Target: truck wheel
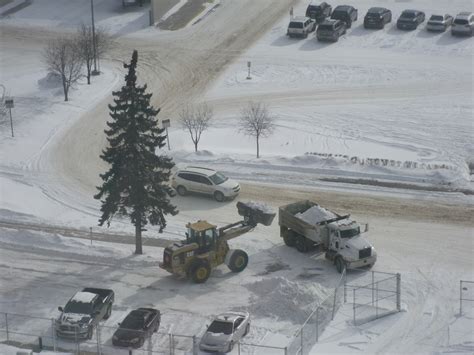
340 265
182 191
231 346
238 261
218 196
108 313
289 238
200 271
301 244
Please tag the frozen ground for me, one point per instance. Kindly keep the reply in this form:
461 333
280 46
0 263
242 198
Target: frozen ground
420 110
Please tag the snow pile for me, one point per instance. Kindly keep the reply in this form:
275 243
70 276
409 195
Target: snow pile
259 206
285 300
84 297
315 214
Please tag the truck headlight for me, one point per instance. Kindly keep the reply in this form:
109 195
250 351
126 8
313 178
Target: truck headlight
135 340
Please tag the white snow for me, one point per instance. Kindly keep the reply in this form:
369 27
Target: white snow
315 214
84 297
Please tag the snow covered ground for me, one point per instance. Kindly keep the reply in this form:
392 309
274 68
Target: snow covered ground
401 96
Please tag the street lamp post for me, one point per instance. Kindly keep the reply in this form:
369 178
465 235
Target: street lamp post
94 44
9 105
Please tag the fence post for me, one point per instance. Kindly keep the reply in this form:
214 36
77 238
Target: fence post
171 343
345 291
53 331
195 351
354 304
334 304
301 334
238 347
376 300
317 324
372 288
286 350
6 325
97 335
460 300
77 342
399 292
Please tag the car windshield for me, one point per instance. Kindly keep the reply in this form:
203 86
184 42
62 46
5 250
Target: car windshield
436 18
220 327
133 321
219 178
408 15
78 307
459 21
326 27
349 233
315 9
296 25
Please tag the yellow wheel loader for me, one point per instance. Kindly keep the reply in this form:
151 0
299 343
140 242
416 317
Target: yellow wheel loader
206 245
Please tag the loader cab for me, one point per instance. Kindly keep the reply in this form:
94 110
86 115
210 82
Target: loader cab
203 234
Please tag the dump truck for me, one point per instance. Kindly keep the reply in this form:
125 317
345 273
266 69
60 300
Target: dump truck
206 247
306 225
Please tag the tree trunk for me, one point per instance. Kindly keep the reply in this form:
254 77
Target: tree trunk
195 146
65 88
258 149
138 238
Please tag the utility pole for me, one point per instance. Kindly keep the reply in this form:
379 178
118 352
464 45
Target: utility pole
94 44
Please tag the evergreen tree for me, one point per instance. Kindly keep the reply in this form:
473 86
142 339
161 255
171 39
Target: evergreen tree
136 183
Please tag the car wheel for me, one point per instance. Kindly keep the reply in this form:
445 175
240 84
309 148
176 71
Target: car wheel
247 329
90 333
339 265
108 313
219 196
200 271
182 191
231 346
141 343
238 261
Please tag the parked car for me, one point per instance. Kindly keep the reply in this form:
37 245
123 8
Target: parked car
377 17
318 12
300 26
410 19
83 312
136 327
345 13
439 23
204 181
463 24
225 330
331 30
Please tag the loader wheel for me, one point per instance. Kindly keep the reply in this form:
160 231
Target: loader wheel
239 260
182 191
200 271
340 265
289 238
301 244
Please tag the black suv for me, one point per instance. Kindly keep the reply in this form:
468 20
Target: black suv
377 17
331 30
318 12
345 13
410 19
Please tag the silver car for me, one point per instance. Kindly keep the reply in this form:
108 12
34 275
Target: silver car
439 23
225 331
463 24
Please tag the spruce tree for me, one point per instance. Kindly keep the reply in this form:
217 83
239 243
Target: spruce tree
136 184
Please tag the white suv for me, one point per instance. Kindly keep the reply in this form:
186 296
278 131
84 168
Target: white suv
300 26
204 181
463 24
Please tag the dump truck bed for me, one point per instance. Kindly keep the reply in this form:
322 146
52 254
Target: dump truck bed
315 229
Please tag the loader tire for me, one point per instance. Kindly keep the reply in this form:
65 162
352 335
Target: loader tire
340 265
302 244
289 238
199 271
238 261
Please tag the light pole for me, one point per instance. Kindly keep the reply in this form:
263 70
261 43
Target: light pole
167 123
9 105
94 44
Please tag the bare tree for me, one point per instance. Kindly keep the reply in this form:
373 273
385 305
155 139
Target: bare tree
195 120
103 43
63 58
256 121
86 48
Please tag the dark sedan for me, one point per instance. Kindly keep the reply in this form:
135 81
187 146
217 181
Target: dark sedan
377 17
410 19
137 326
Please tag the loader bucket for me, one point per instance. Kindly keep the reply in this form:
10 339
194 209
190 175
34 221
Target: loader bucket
256 212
